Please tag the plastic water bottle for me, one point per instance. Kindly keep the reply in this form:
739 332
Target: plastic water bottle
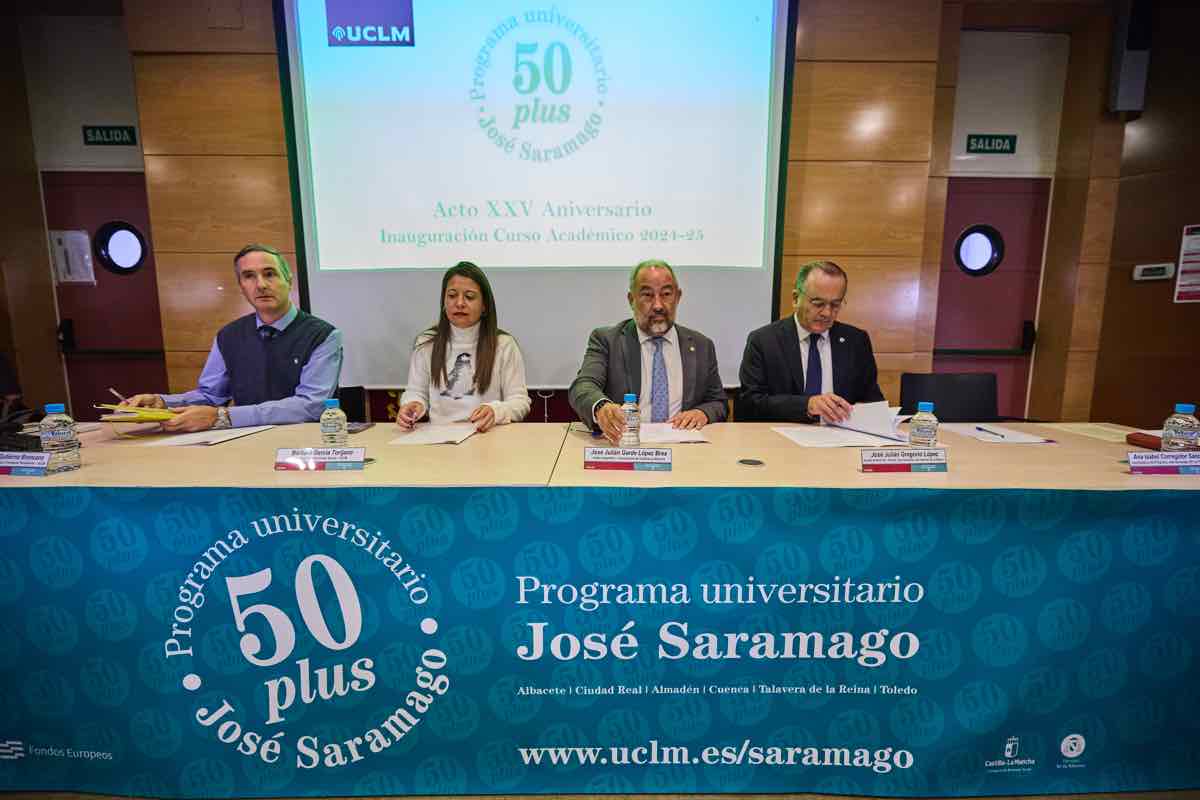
633 422
59 439
333 424
923 427
1181 431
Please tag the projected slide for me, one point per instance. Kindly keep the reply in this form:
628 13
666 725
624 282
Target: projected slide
520 134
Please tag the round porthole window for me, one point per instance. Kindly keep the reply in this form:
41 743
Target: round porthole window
120 247
979 250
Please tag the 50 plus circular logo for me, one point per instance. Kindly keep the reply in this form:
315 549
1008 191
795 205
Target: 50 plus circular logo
293 637
539 85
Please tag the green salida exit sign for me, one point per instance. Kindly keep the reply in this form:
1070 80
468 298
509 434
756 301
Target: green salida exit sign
995 144
109 135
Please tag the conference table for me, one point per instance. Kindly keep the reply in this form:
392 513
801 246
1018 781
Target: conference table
494 618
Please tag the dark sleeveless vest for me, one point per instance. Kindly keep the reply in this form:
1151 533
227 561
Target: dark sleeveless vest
268 369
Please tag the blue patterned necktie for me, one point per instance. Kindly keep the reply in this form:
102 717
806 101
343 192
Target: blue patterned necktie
812 375
659 389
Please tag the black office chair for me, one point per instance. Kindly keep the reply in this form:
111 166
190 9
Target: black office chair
956 396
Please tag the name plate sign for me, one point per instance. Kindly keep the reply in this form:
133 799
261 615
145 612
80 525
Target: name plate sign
900 459
1179 462
319 458
24 463
637 458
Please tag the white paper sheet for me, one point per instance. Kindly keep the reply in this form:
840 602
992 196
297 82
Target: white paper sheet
428 433
830 436
204 438
1104 431
873 419
663 433
995 434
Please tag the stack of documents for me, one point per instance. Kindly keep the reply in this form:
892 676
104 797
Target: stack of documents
869 425
663 433
134 413
205 438
428 433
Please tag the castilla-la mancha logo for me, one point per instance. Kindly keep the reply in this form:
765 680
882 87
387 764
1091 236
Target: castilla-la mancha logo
369 23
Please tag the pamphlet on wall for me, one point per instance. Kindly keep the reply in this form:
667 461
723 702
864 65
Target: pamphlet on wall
1187 277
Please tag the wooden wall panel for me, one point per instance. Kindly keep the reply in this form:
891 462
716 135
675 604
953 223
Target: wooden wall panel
199 293
1078 386
857 208
845 111
881 299
931 261
1098 220
949 45
210 111
217 205
1079 234
31 316
214 26
191 104
183 369
891 365
943 131
1091 284
1166 328
1140 388
1151 212
862 133
1040 15
868 30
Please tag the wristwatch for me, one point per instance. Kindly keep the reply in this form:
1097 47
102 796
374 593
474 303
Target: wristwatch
222 419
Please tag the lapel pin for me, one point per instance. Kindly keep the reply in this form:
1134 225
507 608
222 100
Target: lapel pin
295 361
692 348
842 339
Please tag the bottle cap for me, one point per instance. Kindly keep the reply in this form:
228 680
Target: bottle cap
1180 408
925 407
332 403
55 408
630 397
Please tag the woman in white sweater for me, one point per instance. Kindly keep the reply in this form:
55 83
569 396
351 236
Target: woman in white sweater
465 368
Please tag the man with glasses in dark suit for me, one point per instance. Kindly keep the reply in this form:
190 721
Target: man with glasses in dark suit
809 366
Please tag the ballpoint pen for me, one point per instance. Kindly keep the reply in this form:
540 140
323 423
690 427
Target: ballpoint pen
117 394
985 430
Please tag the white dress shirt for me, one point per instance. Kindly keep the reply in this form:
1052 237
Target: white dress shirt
822 340
674 364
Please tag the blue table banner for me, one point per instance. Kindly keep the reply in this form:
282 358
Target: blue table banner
199 642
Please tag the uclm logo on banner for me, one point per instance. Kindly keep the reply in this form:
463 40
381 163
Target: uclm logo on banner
370 23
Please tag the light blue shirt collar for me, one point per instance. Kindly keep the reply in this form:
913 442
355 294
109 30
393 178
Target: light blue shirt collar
279 324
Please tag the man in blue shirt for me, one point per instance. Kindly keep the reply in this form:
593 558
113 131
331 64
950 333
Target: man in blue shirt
275 366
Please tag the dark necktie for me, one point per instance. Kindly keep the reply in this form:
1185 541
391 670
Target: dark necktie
267 333
812 375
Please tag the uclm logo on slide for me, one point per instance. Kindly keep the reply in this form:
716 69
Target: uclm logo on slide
370 23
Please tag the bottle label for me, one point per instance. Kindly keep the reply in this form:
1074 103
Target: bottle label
58 435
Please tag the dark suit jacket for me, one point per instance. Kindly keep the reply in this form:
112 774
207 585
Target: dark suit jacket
612 366
772 374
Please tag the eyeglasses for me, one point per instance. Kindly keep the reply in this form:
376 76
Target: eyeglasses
818 304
